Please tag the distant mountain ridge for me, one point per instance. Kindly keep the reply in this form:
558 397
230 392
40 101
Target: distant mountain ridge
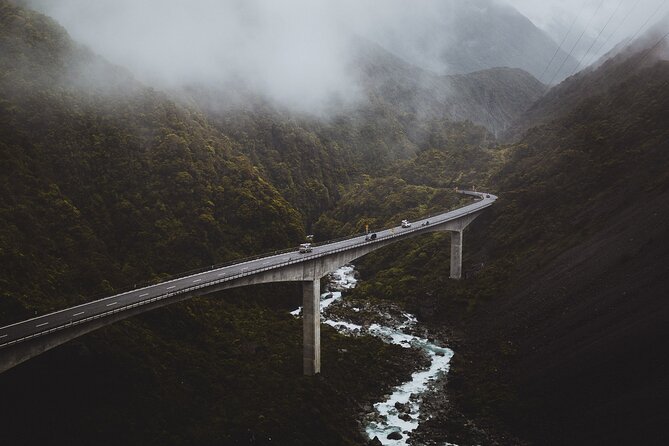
598 79
464 37
493 98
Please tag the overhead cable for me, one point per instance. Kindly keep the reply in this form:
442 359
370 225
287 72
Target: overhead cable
576 43
580 62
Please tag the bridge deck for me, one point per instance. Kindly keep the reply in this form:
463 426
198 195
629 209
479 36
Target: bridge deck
49 323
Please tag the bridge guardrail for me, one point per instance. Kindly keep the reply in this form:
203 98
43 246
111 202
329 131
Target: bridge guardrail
181 275
191 288
463 211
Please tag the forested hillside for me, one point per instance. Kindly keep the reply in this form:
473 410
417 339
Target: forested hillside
311 158
598 79
104 187
564 316
587 201
558 325
106 183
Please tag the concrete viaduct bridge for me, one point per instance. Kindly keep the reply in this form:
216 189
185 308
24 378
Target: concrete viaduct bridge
27 339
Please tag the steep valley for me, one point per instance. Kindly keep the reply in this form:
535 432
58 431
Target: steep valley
559 325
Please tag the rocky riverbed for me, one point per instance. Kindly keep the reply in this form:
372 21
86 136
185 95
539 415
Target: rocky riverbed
417 412
394 420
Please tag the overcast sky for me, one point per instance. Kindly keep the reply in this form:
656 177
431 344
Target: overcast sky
296 50
614 19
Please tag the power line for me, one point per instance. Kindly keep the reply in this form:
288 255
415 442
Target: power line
597 38
650 50
631 39
576 43
638 31
615 31
557 50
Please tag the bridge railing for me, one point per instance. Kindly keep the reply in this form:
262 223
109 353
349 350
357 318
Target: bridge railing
180 275
241 274
344 238
192 272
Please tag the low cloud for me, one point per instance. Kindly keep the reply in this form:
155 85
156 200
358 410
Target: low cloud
296 52
602 23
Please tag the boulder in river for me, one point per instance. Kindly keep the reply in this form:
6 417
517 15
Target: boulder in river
375 442
394 436
404 417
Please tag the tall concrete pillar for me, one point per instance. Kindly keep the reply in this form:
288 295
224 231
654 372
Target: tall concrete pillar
311 323
456 254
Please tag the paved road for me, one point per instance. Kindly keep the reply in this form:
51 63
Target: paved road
14 333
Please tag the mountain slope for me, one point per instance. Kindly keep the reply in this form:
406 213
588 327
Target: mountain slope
559 329
583 219
310 157
597 79
493 98
463 37
105 183
102 166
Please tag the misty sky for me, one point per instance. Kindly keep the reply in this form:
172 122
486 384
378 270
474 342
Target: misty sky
297 51
624 18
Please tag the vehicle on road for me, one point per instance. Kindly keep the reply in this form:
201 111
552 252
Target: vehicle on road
406 224
305 247
370 236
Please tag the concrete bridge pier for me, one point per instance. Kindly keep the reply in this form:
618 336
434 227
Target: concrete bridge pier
456 254
311 326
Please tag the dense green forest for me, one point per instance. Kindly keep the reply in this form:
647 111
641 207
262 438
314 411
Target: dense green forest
566 302
106 183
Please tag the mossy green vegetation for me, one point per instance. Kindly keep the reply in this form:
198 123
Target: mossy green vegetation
544 265
106 183
101 191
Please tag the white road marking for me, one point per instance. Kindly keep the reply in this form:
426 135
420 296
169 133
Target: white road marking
145 294
170 287
41 325
110 304
197 280
78 314
222 274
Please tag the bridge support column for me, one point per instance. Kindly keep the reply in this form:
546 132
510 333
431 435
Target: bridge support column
456 254
311 323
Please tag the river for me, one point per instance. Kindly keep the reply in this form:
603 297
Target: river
400 414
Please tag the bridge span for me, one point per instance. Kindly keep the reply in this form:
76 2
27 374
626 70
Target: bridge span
27 339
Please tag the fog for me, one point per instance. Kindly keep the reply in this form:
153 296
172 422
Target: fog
296 52
287 50
300 52
600 24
